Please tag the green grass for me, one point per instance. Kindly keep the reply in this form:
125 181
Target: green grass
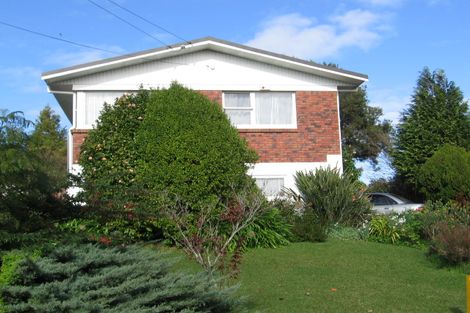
349 276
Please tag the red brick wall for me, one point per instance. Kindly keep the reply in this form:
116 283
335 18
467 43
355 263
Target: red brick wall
317 132
78 136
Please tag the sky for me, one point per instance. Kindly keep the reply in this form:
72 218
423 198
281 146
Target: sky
389 40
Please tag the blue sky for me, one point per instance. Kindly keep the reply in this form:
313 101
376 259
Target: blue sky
390 40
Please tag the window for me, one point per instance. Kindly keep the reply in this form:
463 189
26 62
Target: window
382 200
261 109
271 187
95 103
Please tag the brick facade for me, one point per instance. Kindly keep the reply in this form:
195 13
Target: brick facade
317 132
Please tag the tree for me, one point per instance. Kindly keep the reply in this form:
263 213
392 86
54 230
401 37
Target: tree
436 115
27 191
48 142
364 135
16 170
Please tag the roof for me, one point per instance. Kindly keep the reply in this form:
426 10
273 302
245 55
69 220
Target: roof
212 43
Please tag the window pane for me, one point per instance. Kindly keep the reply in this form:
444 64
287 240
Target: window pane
382 200
95 102
239 117
270 186
237 100
273 108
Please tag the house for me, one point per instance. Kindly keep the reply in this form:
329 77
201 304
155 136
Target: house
286 108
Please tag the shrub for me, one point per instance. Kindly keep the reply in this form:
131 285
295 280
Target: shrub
122 230
8 269
329 198
109 155
269 230
211 234
382 229
405 228
190 149
451 213
345 233
451 243
444 176
92 279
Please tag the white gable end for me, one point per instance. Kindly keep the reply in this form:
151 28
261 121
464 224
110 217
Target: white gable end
203 70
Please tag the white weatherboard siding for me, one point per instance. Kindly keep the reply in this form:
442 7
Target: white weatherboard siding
287 170
203 70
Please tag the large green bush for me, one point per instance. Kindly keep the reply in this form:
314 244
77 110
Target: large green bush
445 175
188 148
88 278
329 198
174 142
109 154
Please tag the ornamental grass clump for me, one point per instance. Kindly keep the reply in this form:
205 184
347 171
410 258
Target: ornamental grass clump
328 198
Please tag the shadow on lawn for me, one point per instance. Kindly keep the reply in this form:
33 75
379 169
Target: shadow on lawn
455 310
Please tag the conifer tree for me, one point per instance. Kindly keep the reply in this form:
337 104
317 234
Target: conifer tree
93 279
436 115
48 143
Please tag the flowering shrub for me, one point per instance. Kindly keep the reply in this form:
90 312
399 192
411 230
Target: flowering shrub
109 155
406 228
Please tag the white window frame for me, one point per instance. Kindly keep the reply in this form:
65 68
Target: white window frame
252 109
271 197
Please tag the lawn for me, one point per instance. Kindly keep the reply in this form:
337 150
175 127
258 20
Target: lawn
348 276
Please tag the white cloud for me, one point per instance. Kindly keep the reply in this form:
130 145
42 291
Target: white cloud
23 78
67 58
301 36
392 102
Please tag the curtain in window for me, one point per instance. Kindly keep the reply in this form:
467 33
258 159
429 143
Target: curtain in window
235 104
273 108
237 100
270 186
95 102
